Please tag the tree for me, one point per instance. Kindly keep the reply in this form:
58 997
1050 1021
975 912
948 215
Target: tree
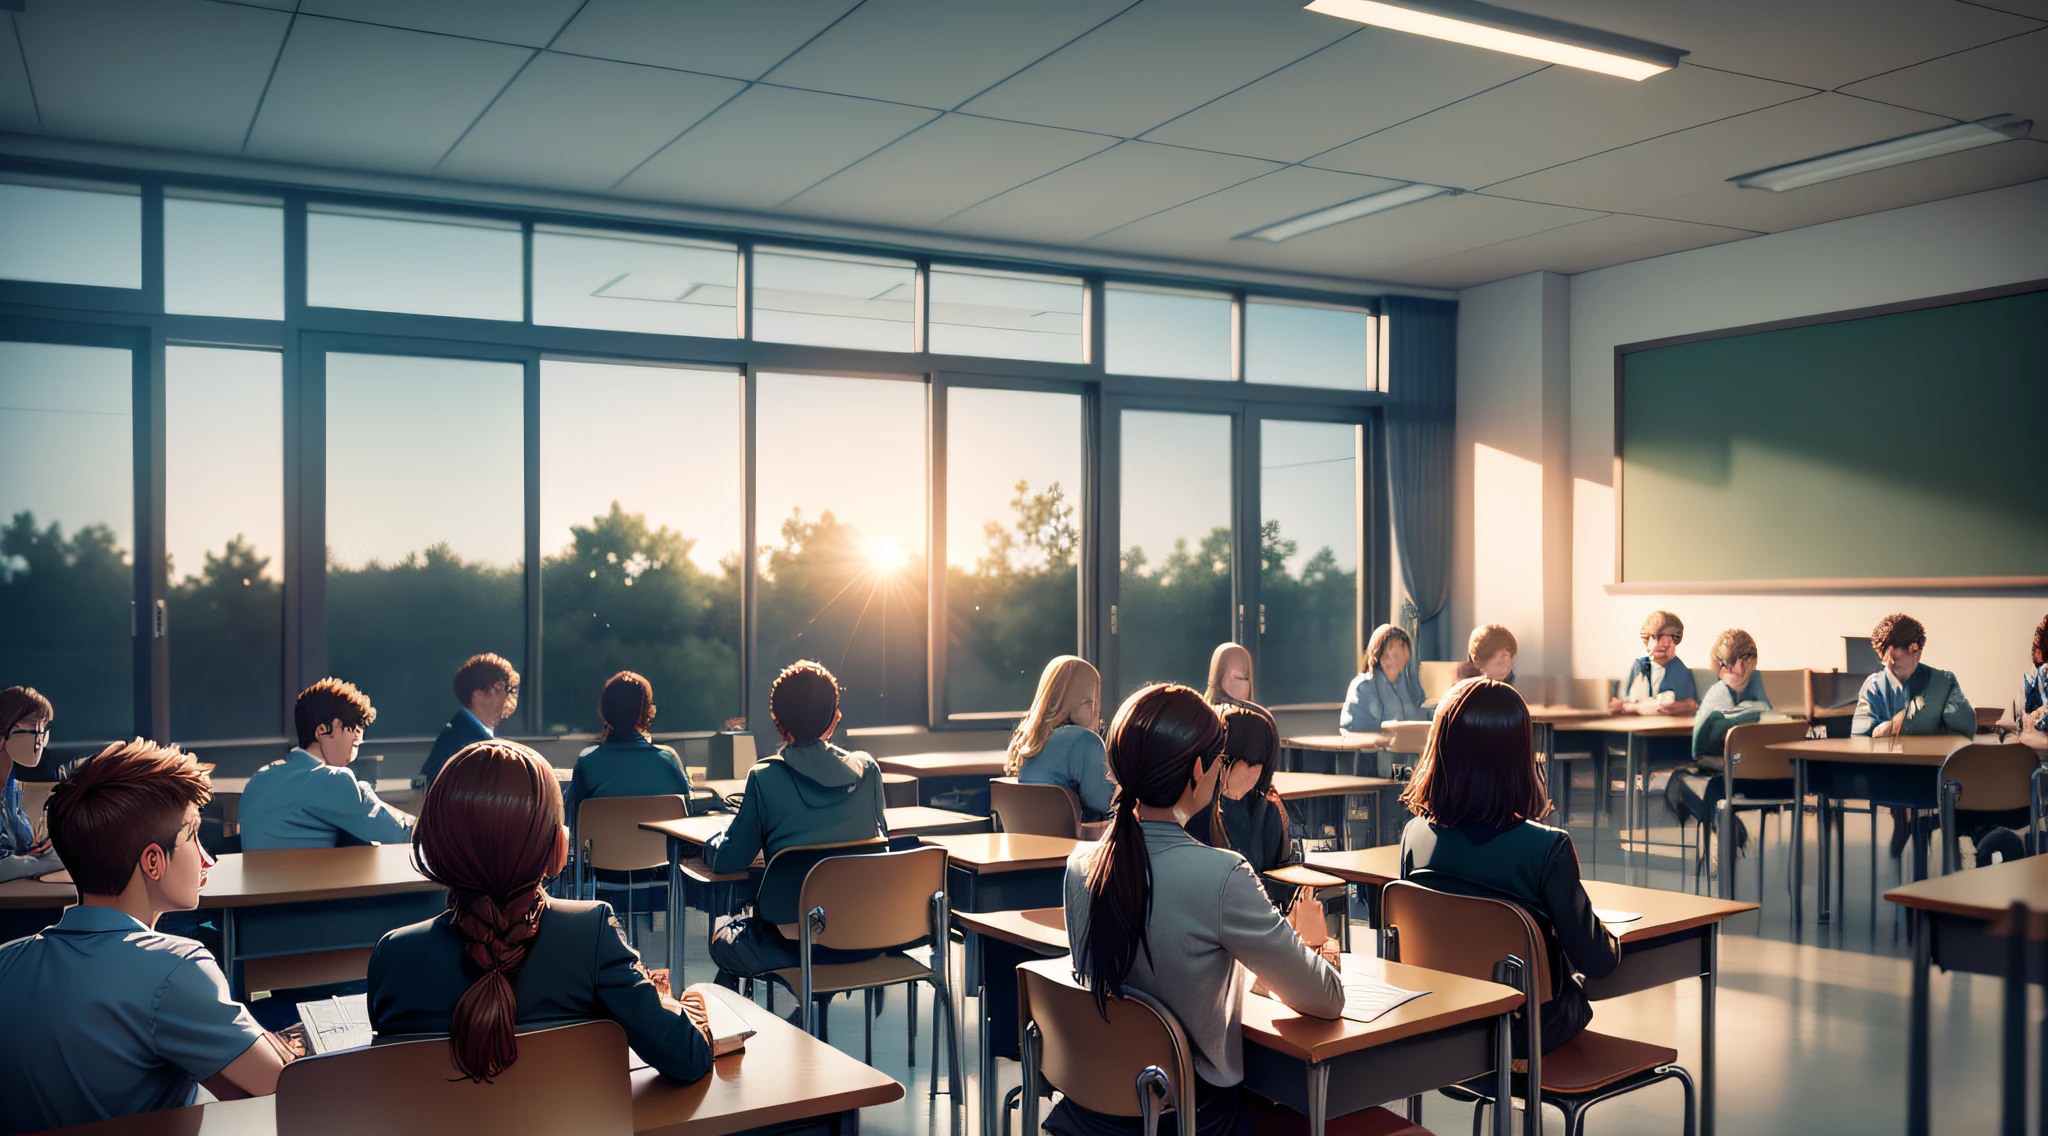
66 610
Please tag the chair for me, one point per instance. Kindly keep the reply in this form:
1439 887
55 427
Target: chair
1469 935
1986 778
567 1079
1436 678
609 839
1789 691
1751 757
1405 737
1988 718
1040 810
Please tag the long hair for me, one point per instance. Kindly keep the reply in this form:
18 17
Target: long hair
1066 682
1385 636
1479 765
1219 665
1249 738
487 832
626 705
1159 734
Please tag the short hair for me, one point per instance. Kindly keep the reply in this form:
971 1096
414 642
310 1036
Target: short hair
1383 637
2041 641
804 700
20 703
1489 641
481 673
627 704
328 700
107 809
1479 765
1663 622
1897 630
1730 645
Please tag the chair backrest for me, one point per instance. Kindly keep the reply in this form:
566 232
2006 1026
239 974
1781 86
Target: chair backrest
1462 934
1790 691
1992 776
876 900
1592 693
1988 717
1437 677
783 881
1536 689
1037 810
1405 737
567 1079
1754 749
608 831
1097 1063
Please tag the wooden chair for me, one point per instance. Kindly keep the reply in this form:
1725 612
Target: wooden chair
1037 810
1987 778
1789 691
1436 678
1536 690
1751 757
567 1079
1988 718
609 839
1469 935
1405 737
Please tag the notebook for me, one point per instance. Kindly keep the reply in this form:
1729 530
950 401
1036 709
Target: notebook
729 1031
336 1023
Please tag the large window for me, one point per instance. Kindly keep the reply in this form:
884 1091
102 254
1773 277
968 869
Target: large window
1308 560
64 232
1178 335
396 262
1007 314
223 257
1174 517
835 301
629 282
1307 345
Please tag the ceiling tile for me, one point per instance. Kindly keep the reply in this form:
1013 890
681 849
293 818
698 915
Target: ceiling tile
539 132
17 102
937 53
1611 239
2038 9
944 168
175 73
1553 116
1159 60
717 37
2007 77
530 23
1205 226
1110 189
768 145
355 95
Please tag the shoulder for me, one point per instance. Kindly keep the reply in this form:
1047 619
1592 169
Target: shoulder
576 916
1071 736
1360 681
413 936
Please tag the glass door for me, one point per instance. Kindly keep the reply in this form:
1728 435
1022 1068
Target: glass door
1309 596
1176 525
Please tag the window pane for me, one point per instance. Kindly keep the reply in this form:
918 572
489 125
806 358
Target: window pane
223 258
396 263
426 524
640 511
1307 346
840 517
63 235
67 584
1308 563
1013 487
224 540
1174 586
633 283
1007 314
834 301
1170 334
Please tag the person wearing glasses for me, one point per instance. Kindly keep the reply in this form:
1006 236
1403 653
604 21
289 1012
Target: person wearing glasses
25 717
487 689
1659 673
309 799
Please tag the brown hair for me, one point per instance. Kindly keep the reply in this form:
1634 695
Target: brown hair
109 808
803 701
1219 661
327 700
1249 738
627 704
1060 688
1383 637
2041 641
1661 622
1479 765
481 673
1729 646
1159 734
1490 640
20 703
1897 630
487 833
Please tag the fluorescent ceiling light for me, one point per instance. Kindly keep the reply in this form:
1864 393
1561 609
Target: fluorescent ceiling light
1345 211
1892 152
1516 33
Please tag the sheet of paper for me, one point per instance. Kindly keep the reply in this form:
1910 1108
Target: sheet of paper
1615 918
337 1023
729 1031
1367 998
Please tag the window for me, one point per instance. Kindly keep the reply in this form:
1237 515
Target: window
840 525
65 232
1008 315
1308 560
426 524
834 301
1306 345
223 258
1174 583
397 262
1013 539
635 283
67 583
1178 335
224 541
640 511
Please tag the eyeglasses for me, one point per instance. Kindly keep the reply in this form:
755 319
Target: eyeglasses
1666 637
512 689
40 733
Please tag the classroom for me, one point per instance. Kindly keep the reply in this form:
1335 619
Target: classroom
1289 567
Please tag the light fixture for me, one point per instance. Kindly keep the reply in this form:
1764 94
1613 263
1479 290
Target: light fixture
1345 211
1516 33
1891 152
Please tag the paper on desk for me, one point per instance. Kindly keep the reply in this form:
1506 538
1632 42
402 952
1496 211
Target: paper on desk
1615 918
1367 998
729 1031
337 1023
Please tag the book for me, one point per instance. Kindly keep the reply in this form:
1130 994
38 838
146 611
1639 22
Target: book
336 1023
729 1031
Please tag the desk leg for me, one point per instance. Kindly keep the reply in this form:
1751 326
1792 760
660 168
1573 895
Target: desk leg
1822 806
987 1058
1710 951
1798 849
1918 1109
675 915
1504 1077
1630 804
1318 1097
227 950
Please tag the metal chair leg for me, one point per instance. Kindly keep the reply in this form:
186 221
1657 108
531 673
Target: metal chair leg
910 1024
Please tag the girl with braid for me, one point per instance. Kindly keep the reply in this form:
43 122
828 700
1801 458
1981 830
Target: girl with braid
506 957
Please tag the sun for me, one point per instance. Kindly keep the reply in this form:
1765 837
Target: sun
887 556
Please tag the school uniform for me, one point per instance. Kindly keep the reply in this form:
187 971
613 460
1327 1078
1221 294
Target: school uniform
111 1019
303 802
1256 829
463 729
1723 709
17 836
1374 698
1932 700
631 766
1073 756
1647 680
2033 691
578 969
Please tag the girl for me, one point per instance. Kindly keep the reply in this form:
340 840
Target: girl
1056 743
1247 815
25 717
1230 675
626 762
1386 689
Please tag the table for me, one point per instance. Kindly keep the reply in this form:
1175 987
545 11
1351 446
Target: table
335 902
1295 786
28 905
996 942
1291 749
1637 729
939 772
1899 769
898 789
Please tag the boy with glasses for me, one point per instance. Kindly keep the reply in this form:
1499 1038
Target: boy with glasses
310 799
1659 673
25 717
487 689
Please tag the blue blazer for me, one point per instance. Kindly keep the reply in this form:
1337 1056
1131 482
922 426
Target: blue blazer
463 729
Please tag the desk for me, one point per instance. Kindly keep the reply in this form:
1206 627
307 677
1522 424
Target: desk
1895 770
1637 729
315 901
1295 786
898 789
1005 871
1294 751
29 905
997 941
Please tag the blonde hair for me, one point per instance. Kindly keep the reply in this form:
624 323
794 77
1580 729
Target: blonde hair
1663 622
1068 681
1376 648
1219 661
1731 645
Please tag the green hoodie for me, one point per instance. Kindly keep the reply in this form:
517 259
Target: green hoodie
810 794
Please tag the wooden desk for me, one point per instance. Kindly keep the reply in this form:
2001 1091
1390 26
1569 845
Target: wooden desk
1303 786
1894 770
1320 787
1000 871
314 901
1344 751
997 941
1637 729
898 789
29 905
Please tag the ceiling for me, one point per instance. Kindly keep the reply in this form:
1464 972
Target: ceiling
1161 128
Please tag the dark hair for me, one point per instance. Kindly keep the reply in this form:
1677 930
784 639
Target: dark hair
1385 636
323 702
107 809
487 832
803 701
1159 734
1897 630
1488 641
627 704
2040 643
1249 738
481 673
20 703
1479 765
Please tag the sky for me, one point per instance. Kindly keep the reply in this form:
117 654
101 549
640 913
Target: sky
223 455
68 452
994 439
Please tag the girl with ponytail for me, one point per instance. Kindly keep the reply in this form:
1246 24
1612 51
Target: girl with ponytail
506 957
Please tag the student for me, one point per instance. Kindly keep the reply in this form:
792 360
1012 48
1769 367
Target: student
309 799
111 1016
1230 675
1056 743
1247 816
1386 689
1658 673
1152 909
506 956
1490 655
487 690
626 763
1905 697
25 717
812 792
2034 684
1738 698
1477 799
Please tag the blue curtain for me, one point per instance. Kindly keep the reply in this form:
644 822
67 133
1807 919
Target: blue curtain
1422 408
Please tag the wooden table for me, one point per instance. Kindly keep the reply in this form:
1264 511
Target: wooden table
326 906
30 904
1295 786
1895 770
997 941
1293 751
1638 729
999 871
898 789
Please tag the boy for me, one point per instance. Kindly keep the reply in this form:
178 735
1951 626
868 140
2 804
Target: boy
126 1019
487 690
1906 698
1658 673
1738 698
310 799
1489 654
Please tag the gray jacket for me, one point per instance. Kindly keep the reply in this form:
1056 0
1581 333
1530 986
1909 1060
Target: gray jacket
814 794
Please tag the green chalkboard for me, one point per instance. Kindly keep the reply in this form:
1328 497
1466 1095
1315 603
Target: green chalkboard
1907 446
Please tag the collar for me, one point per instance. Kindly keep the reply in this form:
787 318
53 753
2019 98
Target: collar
312 760
83 920
466 712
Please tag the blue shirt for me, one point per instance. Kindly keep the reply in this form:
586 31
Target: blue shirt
626 767
1677 679
1883 696
1073 756
303 802
110 1019
1374 698
2034 690
17 836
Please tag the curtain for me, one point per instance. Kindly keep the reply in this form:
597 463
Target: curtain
1422 390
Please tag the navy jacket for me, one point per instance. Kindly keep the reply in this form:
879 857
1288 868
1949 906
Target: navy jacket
463 729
